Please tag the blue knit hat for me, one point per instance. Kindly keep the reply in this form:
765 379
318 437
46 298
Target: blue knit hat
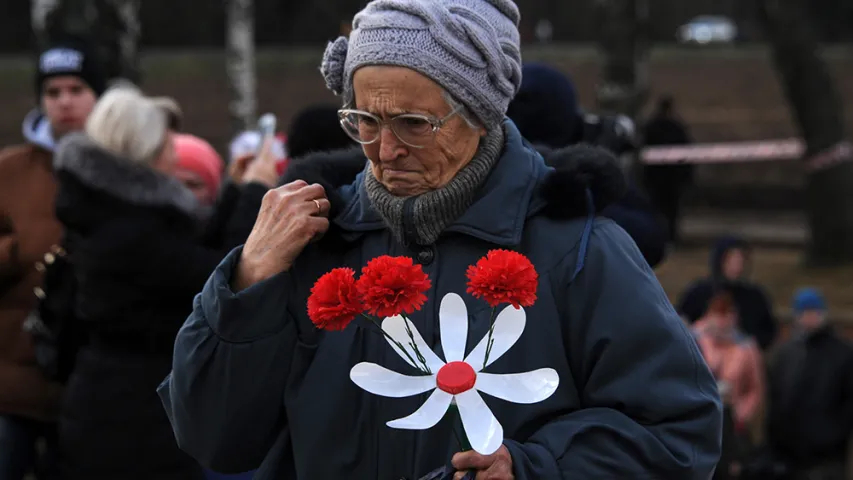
808 299
469 47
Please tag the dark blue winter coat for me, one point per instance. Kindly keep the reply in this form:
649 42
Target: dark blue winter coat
254 384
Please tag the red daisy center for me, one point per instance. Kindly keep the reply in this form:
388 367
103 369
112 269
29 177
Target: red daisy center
456 377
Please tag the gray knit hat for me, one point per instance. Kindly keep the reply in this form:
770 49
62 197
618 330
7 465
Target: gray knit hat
469 47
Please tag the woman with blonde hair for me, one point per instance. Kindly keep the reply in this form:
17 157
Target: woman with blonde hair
136 260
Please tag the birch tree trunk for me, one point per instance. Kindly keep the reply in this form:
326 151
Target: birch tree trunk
623 30
126 34
40 11
240 63
816 107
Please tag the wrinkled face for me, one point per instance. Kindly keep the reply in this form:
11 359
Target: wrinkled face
168 159
406 171
196 184
66 101
734 264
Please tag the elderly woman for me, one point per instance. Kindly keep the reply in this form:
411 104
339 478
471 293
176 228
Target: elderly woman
426 85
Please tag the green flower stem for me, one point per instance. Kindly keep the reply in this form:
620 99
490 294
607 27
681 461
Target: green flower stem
490 341
459 431
398 344
417 351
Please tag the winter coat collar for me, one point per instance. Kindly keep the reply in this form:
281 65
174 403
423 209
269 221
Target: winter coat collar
107 172
522 184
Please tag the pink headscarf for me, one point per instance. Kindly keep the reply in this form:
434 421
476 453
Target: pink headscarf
199 157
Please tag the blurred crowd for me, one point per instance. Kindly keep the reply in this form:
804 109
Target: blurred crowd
112 218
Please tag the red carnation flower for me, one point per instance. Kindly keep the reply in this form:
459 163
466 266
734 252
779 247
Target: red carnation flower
503 276
390 286
334 301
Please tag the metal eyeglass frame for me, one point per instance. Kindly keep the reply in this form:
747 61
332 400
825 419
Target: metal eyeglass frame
436 123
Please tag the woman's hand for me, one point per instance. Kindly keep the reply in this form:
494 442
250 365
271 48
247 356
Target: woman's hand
290 217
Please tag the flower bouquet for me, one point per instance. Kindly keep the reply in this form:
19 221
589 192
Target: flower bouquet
389 289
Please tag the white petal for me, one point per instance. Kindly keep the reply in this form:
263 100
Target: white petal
395 327
453 319
428 415
527 387
508 328
484 431
379 380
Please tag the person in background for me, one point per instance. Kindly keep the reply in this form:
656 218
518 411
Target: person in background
199 167
547 114
810 415
666 183
69 80
729 264
137 260
245 147
316 128
737 365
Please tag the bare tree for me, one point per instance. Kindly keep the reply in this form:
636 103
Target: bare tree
40 10
625 83
816 106
126 35
241 63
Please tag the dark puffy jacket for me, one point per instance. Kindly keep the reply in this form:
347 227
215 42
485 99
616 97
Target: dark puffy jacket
132 237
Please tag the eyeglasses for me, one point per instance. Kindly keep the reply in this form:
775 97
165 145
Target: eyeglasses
413 129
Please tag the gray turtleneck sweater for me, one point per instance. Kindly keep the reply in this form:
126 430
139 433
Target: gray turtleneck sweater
420 219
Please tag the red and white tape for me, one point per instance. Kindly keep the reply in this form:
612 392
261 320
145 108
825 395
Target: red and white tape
760 151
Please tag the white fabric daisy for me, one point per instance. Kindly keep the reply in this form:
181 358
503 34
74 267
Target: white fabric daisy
456 380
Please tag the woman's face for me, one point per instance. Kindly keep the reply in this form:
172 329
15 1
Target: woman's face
196 184
734 264
406 171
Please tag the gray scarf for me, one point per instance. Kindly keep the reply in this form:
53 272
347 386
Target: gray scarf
429 214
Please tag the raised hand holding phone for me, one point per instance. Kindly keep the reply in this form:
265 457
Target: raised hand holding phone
264 167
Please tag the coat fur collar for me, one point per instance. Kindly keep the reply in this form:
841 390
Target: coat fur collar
574 170
107 172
